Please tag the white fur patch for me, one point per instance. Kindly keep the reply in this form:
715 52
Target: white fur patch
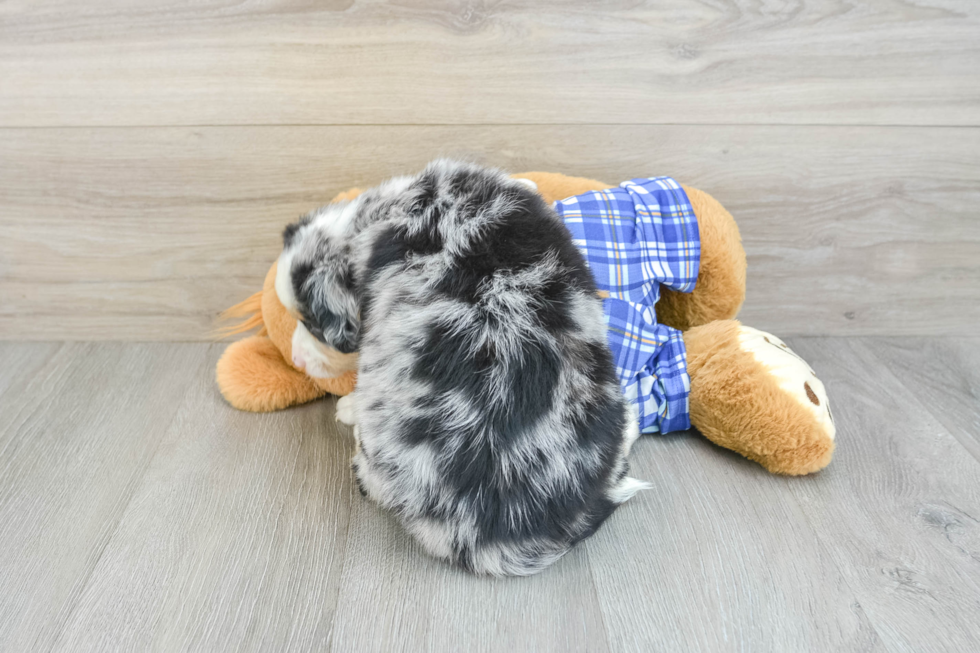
627 488
317 359
284 283
632 433
347 410
334 220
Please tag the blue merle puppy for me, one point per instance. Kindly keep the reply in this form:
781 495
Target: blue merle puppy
487 411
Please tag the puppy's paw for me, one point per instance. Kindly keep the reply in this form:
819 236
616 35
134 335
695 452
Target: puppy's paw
347 410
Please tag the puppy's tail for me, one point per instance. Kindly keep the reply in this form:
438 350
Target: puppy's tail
626 488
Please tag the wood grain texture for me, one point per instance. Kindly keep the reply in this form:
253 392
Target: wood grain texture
944 376
344 62
21 361
139 512
234 539
143 234
395 598
76 434
898 508
719 556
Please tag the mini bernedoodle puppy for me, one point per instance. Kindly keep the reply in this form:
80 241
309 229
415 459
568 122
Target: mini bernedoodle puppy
488 413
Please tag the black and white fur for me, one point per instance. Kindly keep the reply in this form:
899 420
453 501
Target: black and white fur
487 408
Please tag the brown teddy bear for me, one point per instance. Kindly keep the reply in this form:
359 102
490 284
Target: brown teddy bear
748 391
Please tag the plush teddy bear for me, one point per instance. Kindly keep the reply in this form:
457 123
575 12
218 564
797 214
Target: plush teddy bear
743 389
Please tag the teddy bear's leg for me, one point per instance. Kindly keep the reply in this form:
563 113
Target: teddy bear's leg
253 376
720 288
750 393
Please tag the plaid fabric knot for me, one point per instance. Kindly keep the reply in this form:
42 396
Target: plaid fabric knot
635 239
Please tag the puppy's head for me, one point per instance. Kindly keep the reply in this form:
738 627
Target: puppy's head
315 282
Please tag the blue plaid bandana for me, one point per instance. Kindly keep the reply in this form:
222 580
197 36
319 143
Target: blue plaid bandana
636 238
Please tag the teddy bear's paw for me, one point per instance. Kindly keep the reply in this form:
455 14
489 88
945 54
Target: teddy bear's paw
252 375
752 394
347 410
793 374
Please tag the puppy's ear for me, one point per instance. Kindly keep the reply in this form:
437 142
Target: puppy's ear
333 305
348 337
289 233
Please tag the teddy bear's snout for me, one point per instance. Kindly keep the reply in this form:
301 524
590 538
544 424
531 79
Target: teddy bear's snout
298 361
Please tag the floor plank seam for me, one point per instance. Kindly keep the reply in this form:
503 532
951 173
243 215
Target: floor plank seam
42 370
132 490
276 529
826 550
872 610
342 563
970 447
598 596
343 567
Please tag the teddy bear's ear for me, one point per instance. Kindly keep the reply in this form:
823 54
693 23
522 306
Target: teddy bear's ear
347 195
250 311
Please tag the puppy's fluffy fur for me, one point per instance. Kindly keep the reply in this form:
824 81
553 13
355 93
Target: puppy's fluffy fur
488 412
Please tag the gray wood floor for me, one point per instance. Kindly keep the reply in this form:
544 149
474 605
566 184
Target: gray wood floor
139 511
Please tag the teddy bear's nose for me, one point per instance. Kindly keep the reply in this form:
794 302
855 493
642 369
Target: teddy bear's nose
298 361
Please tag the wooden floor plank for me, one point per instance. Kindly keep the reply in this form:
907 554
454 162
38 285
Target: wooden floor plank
139 511
147 234
343 62
944 376
897 509
234 539
21 363
74 443
395 598
718 556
